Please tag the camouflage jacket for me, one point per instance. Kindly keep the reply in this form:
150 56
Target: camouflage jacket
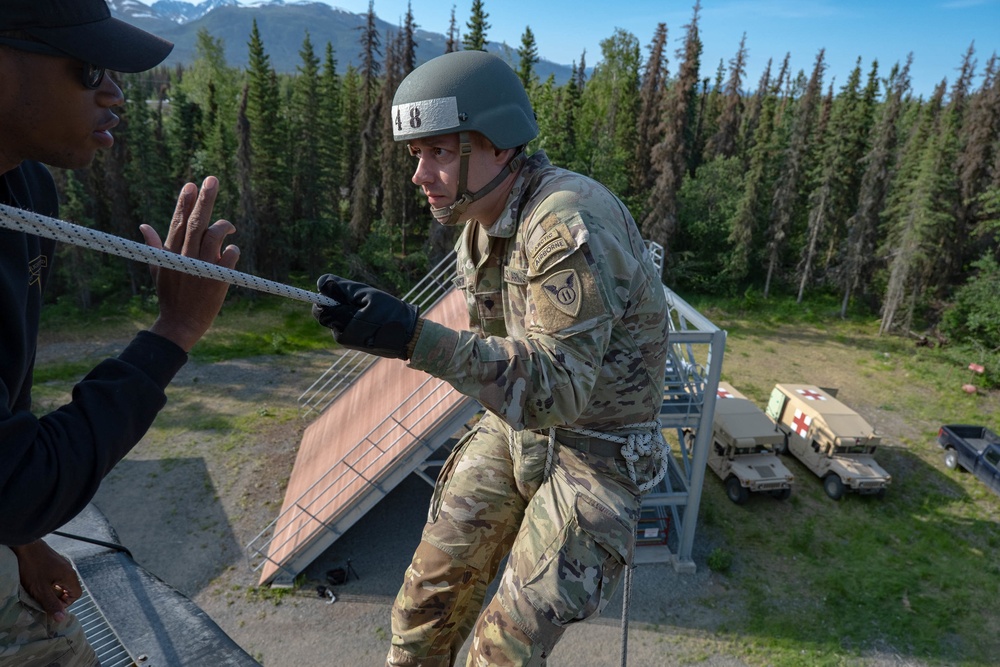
568 315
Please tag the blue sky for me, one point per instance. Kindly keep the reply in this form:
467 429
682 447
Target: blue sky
937 32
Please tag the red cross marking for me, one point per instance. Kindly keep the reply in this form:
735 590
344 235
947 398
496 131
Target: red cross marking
811 395
801 423
723 393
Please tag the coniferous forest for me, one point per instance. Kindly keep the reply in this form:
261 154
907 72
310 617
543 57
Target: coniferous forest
787 186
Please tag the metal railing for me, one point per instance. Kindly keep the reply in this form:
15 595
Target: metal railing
318 396
366 461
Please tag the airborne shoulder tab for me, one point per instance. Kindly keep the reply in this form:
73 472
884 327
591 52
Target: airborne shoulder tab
552 243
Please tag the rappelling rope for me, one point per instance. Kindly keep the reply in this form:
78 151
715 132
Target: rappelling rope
67 232
647 441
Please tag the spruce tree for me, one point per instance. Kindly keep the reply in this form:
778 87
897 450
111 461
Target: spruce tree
268 173
862 226
393 170
670 156
527 56
475 39
451 43
651 92
151 195
724 142
835 196
371 65
787 199
408 49
246 210
953 232
980 141
184 134
580 79
912 214
330 141
303 118
350 127
556 109
751 210
706 118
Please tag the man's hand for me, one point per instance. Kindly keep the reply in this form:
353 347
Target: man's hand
48 577
188 304
365 318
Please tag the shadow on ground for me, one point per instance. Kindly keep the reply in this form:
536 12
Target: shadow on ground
194 542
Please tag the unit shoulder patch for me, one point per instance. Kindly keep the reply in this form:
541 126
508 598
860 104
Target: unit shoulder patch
563 290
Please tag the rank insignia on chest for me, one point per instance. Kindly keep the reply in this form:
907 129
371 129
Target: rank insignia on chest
563 291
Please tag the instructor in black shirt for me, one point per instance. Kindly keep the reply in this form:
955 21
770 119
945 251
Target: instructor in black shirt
56 108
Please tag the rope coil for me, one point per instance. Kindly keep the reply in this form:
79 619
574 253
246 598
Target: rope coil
649 442
59 230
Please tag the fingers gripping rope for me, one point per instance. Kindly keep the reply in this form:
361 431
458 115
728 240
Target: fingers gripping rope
60 230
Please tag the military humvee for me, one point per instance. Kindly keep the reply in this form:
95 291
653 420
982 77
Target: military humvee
743 452
829 438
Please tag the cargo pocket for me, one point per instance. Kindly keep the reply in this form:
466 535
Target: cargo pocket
577 573
445 476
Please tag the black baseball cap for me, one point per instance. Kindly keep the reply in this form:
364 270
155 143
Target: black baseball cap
85 30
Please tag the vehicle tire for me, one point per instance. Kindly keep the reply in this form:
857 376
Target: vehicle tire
833 486
782 494
880 494
736 491
950 459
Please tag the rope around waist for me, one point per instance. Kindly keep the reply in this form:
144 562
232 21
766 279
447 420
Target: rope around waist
646 439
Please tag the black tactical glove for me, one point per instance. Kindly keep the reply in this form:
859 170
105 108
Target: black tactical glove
366 319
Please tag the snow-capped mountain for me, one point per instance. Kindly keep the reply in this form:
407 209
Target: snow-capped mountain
180 12
283 25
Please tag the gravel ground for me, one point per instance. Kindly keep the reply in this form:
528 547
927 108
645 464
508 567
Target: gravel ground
204 494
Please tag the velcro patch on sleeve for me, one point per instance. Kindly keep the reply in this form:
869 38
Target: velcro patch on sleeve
563 290
553 243
565 296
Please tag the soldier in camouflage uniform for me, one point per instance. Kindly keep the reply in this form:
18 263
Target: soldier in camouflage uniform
566 351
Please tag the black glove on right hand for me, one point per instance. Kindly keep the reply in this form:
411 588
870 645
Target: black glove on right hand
366 318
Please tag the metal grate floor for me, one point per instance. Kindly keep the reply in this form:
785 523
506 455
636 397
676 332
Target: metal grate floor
110 652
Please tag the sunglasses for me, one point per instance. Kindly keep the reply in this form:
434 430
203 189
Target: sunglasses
92 75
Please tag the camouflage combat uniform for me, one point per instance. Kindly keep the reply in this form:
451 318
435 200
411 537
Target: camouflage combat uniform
28 636
568 331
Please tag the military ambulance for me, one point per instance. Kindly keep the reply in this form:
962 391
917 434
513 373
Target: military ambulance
829 438
743 453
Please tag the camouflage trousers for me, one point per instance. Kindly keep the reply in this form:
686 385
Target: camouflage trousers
28 636
568 537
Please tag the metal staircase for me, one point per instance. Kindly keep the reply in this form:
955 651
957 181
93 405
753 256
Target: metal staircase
370 464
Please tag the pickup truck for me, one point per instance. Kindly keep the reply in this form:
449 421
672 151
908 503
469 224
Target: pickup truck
974 448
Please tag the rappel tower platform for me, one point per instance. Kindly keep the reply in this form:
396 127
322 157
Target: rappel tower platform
376 421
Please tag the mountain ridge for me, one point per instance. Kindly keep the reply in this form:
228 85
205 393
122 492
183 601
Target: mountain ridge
283 25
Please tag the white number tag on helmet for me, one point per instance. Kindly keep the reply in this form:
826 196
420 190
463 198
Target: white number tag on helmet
424 117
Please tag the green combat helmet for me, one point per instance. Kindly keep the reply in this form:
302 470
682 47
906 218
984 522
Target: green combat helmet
463 92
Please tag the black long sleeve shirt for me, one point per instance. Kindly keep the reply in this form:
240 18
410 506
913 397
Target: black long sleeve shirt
51 466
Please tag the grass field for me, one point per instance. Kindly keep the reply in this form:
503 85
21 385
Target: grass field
917 571
915 575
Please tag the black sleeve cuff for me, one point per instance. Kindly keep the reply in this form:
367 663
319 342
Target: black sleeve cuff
155 356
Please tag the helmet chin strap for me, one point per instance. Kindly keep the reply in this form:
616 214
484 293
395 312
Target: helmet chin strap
449 215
